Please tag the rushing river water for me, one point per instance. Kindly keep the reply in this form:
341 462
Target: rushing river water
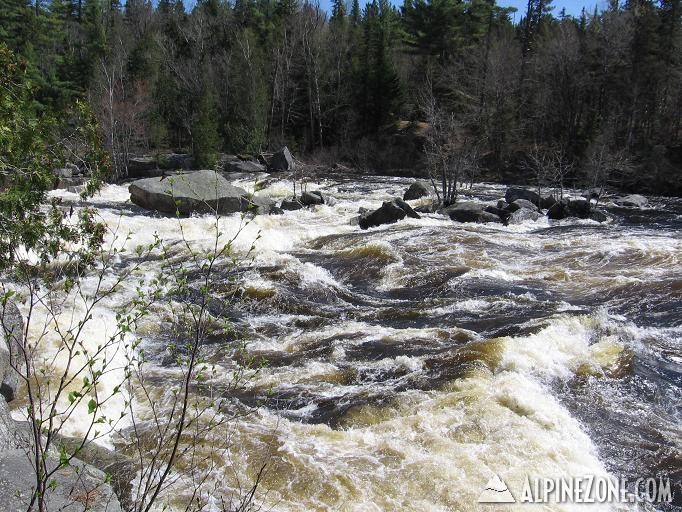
407 364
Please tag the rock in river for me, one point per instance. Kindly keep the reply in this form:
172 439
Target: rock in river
196 192
470 212
389 213
417 190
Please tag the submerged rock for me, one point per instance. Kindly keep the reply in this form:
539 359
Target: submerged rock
389 213
632 201
196 192
417 190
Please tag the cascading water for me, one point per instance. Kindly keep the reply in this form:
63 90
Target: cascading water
408 363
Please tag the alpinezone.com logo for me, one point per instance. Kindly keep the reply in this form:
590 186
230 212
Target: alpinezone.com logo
583 489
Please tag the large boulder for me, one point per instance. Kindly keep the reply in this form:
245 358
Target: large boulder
514 193
77 487
196 192
470 212
312 198
417 190
632 201
523 215
579 208
282 161
389 213
248 166
11 347
521 204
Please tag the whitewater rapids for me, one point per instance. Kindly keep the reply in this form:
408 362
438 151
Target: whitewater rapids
407 364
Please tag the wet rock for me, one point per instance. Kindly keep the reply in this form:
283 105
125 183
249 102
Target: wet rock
425 208
260 205
521 204
599 216
470 212
282 161
502 204
389 213
503 214
522 215
312 198
417 190
632 201
11 345
547 202
291 203
514 193
275 210
196 192
579 208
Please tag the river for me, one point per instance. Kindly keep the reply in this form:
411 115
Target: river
407 364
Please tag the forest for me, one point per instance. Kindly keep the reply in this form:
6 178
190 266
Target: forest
594 99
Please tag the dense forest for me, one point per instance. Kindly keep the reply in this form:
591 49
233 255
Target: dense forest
595 98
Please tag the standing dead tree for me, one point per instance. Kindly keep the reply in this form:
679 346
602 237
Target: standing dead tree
451 155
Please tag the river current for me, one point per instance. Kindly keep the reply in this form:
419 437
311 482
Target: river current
407 364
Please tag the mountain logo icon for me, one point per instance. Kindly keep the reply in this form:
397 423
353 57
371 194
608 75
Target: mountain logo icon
496 491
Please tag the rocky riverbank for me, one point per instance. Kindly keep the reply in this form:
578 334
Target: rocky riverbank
78 486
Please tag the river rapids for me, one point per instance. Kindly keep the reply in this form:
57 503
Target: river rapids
405 365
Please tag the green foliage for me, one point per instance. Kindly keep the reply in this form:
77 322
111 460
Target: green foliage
31 145
206 142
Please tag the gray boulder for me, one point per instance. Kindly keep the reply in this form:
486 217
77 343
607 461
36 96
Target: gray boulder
260 205
632 201
11 346
142 167
291 203
282 161
196 192
389 213
417 190
243 166
514 193
78 487
470 212
312 198
174 161
522 215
